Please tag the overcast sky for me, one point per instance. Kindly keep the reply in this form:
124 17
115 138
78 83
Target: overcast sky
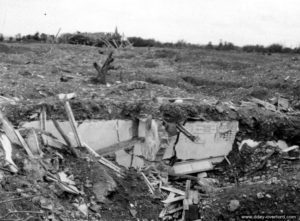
198 21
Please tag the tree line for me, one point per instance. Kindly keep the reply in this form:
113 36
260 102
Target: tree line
114 39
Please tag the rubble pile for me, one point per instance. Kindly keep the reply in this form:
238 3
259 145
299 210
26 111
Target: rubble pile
179 166
42 178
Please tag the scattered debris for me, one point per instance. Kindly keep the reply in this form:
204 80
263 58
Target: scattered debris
233 205
6 146
189 167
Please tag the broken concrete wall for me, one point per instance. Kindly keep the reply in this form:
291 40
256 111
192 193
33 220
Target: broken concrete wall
216 140
100 134
97 134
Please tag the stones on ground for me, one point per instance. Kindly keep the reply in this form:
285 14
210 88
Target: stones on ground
260 195
282 144
82 208
233 205
33 169
249 142
208 185
202 175
103 183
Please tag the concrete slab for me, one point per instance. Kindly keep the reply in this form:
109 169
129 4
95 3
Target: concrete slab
216 139
51 128
96 134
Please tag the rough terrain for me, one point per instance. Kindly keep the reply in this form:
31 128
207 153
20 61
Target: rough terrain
33 74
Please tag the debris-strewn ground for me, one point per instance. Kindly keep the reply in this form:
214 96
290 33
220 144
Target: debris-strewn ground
259 180
29 194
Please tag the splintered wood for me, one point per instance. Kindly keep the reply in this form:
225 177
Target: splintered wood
179 202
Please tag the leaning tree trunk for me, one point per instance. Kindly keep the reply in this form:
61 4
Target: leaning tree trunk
102 72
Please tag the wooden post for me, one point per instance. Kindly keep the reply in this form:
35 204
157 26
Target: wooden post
73 123
65 137
43 118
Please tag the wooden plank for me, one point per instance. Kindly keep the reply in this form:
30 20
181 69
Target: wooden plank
9 130
120 146
7 148
187 195
162 213
174 190
175 210
189 167
43 118
151 189
14 135
24 144
171 196
102 160
73 123
290 148
65 137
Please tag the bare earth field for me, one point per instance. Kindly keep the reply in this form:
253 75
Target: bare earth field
33 74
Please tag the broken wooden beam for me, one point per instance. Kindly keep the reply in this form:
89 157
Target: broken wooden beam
173 190
290 148
43 118
9 130
124 145
102 160
150 187
14 135
73 123
187 133
65 137
187 195
24 144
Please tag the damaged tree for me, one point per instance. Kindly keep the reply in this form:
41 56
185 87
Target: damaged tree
102 71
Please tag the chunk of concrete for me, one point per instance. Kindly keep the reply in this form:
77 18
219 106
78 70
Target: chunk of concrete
65 125
189 167
97 134
250 143
282 144
216 139
132 159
